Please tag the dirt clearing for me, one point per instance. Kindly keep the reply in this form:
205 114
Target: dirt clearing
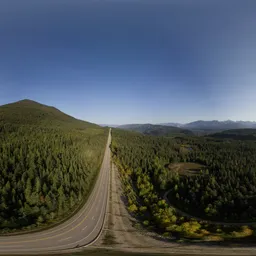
187 168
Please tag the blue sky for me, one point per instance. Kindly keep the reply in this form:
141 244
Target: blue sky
131 61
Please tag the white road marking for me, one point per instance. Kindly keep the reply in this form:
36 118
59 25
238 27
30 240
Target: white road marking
84 228
65 239
89 208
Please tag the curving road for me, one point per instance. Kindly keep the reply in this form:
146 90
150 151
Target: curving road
182 213
80 230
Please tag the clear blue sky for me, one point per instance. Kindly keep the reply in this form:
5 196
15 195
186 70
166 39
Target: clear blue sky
131 61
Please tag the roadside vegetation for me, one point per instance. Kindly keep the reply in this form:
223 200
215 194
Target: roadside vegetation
48 162
221 188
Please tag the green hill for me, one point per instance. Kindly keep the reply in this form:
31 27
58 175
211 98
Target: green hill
28 112
157 130
236 134
48 162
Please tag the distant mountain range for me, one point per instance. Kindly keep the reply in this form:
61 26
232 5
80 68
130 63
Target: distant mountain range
199 127
214 125
219 125
172 124
109 125
150 129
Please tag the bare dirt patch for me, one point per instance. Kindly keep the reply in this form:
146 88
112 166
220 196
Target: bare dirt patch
187 168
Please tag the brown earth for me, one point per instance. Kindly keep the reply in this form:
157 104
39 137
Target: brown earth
186 168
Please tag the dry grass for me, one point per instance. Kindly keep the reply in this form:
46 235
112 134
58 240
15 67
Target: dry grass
187 168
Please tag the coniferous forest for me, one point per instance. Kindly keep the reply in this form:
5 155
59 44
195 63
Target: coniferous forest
48 163
222 189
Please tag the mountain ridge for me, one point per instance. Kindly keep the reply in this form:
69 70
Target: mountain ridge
208 125
157 130
219 125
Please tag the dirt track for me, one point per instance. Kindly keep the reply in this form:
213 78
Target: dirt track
200 219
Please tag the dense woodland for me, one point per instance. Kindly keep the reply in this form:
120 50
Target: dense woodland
224 190
236 134
46 170
227 189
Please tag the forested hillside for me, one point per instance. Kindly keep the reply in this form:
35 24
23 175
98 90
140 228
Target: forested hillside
223 188
236 134
48 161
26 112
157 130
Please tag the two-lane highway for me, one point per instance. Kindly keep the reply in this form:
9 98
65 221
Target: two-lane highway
82 229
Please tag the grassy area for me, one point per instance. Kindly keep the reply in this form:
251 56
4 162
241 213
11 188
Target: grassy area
186 168
109 238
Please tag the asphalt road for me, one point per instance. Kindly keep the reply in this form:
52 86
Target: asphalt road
80 230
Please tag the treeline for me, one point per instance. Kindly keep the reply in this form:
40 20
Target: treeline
144 160
236 134
45 172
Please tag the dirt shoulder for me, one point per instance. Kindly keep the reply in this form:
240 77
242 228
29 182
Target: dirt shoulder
120 232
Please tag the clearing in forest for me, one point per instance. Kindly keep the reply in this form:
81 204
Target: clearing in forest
187 168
